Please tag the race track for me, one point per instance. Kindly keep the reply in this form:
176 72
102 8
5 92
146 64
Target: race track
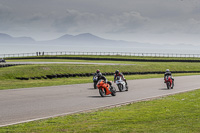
22 105
85 63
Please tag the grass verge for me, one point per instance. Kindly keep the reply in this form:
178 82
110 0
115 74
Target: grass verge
45 69
177 113
15 84
8 75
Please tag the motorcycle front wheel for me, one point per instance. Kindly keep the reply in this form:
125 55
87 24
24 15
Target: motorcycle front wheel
95 85
113 91
126 87
102 92
172 85
120 87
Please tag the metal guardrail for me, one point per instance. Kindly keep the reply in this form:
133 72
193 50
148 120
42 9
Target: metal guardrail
101 53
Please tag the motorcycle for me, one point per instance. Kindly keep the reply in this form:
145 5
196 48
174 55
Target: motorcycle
106 88
169 82
2 60
121 84
95 80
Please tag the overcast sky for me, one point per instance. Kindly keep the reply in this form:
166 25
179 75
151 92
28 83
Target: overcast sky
153 21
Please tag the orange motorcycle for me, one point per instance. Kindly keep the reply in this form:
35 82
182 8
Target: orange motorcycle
106 88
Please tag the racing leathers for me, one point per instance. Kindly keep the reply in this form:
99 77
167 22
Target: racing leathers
121 75
96 74
101 77
168 74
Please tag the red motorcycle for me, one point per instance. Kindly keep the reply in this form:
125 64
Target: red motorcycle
169 82
106 88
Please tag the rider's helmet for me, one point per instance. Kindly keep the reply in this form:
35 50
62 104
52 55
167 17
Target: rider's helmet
117 72
167 70
99 74
98 71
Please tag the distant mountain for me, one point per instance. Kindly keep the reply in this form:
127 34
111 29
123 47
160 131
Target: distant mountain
5 38
81 37
65 37
89 39
85 39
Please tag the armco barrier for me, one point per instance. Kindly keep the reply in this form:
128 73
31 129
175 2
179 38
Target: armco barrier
91 74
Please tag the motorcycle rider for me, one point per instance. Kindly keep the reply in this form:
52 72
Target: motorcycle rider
97 72
117 73
168 73
95 78
101 77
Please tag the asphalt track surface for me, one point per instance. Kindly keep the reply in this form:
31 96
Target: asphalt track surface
66 63
28 104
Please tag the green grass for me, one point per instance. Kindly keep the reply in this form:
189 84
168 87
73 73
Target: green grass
15 84
45 69
69 60
8 75
173 114
131 57
121 57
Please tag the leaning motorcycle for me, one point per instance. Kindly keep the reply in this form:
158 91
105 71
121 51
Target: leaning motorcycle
106 88
95 80
169 82
121 84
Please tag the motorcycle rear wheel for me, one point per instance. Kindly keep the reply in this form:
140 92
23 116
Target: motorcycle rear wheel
168 86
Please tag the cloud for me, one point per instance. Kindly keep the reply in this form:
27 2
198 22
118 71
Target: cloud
76 21
4 10
41 18
130 22
5 17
